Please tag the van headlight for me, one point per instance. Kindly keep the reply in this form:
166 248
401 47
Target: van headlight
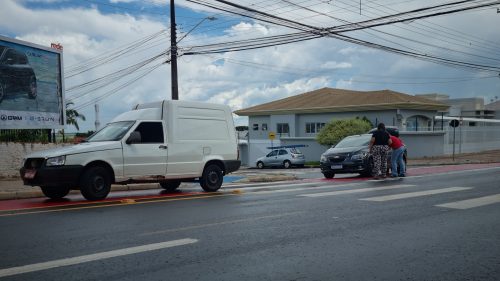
56 161
359 156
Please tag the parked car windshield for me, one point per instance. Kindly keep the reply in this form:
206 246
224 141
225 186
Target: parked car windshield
354 141
112 132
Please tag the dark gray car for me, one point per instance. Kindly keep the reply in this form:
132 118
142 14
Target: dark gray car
350 155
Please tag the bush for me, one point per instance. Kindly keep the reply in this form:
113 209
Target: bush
336 130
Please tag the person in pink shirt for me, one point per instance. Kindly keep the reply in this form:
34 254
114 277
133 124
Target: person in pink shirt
398 149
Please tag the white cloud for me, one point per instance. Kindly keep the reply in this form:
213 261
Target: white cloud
239 79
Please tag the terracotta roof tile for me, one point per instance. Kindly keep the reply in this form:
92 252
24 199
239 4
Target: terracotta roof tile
339 100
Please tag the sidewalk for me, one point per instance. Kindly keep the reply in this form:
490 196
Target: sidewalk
13 188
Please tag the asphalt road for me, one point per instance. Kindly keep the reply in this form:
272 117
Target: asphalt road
418 228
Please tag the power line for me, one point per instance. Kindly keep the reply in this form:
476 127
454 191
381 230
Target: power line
331 32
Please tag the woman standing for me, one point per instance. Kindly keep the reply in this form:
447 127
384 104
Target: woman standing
379 146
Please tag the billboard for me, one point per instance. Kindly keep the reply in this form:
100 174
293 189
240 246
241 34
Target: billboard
31 86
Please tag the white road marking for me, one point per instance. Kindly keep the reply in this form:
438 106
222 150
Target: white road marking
415 194
472 203
340 192
303 188
93 257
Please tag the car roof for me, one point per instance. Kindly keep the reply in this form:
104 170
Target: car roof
387 128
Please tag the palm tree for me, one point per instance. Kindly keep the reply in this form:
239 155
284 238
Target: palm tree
72 116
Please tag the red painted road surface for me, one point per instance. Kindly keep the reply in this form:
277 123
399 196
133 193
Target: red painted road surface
119 197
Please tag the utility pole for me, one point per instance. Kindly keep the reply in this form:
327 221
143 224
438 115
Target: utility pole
173 52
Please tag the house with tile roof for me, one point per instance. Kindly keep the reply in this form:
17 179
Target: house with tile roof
297 119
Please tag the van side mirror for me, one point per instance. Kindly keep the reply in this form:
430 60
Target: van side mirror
135 137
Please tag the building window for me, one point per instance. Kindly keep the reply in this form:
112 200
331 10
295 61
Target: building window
418 123
313 128
283 128
264 127
255 127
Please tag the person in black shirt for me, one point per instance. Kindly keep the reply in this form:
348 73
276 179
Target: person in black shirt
379 146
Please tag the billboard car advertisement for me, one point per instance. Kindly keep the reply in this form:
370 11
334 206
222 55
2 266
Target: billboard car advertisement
31 86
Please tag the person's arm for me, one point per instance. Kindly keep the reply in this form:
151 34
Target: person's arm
389 142
372 141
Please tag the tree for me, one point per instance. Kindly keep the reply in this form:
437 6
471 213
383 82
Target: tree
336 130
72 116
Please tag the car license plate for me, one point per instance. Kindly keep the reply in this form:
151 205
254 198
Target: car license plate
29 174
336 167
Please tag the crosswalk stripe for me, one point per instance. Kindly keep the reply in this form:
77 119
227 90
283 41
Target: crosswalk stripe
340 192
415 194
472 203
302 188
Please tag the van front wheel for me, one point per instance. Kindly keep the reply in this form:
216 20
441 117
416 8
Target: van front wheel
95 183
212 177
54 192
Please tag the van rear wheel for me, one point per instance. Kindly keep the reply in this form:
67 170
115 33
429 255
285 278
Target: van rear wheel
95 183
54 192
212 177
170 185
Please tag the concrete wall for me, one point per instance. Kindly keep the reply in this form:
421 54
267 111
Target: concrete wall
423 144
472 139
313 150
12 154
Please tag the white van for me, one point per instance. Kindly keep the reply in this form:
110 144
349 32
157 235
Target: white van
168 142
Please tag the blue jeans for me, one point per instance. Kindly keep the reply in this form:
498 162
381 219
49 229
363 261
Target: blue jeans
397 159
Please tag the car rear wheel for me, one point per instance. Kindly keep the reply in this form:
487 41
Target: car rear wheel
170 185
329 175
95 183
54 192
212 177
287 164
32 89
260 165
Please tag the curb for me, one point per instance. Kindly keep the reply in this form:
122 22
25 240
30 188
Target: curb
10 195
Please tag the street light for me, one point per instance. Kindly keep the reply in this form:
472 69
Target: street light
173 48
198 24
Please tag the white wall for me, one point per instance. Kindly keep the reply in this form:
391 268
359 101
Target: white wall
12 154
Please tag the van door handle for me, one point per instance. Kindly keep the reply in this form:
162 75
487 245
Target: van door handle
162 147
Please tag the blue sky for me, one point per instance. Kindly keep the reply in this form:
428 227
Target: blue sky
91 30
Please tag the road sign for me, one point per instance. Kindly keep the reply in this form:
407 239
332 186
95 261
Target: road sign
454 123
271 135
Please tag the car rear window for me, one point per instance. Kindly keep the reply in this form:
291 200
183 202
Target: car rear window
295 151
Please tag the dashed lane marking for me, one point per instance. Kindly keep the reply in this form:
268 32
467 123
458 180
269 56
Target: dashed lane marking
472 203
93 257
415 194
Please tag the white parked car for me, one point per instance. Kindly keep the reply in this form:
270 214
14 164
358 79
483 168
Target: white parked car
282 156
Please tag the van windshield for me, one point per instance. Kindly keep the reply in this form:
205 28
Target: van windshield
112 132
